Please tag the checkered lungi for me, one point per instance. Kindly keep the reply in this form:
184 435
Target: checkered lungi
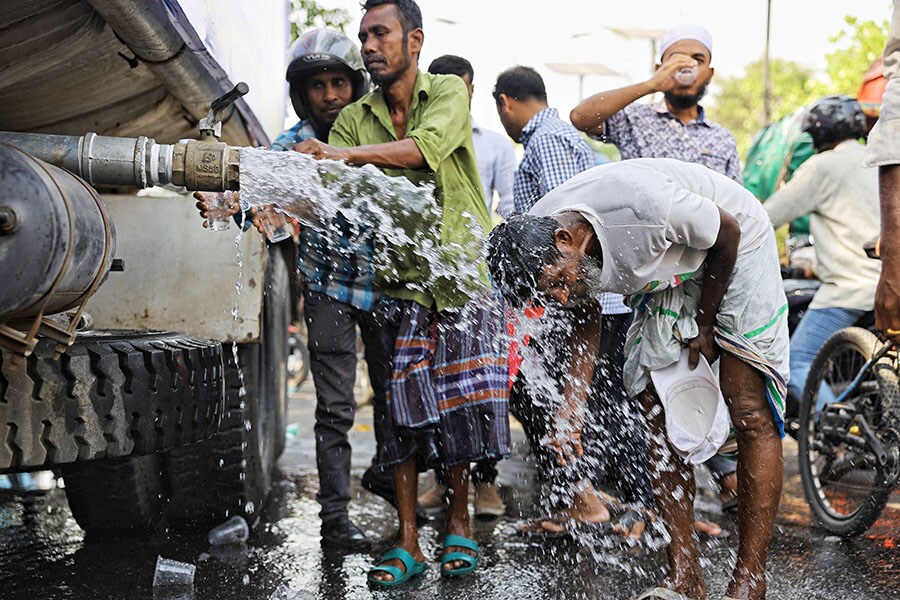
448 396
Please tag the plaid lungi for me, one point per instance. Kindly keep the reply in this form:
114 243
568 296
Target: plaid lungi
447 400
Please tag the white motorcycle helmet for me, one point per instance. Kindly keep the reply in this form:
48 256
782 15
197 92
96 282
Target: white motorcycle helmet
321 49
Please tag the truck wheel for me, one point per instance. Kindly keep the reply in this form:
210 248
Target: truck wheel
230 474
112 394
116 496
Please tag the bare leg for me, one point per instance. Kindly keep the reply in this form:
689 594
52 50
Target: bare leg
405 486
458 510
673 490
760 470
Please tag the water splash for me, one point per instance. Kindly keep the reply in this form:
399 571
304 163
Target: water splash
362 203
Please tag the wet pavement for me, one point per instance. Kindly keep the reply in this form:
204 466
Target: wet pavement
43 553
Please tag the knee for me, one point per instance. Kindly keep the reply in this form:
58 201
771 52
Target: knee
752 419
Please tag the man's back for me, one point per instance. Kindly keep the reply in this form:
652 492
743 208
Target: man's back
841 197
554 152
656 218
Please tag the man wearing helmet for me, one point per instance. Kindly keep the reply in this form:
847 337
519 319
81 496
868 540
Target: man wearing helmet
841 197
325 74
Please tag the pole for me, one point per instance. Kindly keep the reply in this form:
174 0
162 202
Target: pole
767 83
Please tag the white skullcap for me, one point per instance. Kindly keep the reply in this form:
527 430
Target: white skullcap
688 31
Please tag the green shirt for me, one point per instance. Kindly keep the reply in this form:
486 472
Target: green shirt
439 123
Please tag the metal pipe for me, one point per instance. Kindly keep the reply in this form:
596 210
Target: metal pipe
140 162
146 29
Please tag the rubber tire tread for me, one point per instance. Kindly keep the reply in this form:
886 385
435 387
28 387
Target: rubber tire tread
111 394
864 342
227 475
119 496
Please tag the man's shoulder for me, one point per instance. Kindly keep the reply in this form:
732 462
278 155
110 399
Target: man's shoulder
494 136
302 130
720 130
442 84
554 130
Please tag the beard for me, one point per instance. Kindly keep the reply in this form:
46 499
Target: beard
685 100
385 79
591 271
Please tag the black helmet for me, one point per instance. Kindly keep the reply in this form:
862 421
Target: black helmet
321 49
833 119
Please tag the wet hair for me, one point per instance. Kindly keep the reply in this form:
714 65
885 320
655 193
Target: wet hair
520 83
449 64
410 13
517 252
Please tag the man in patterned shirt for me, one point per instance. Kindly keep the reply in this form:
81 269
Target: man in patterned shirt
674 127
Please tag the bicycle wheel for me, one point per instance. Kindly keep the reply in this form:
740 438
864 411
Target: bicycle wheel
842 478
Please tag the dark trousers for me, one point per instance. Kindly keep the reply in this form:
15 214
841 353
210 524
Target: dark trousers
613 437
332 350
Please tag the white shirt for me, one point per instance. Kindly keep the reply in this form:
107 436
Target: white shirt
496 165
655 218
841 197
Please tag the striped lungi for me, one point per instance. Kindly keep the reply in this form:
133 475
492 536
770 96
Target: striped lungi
751 324
448 396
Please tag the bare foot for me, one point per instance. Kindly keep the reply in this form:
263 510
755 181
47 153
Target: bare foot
707 528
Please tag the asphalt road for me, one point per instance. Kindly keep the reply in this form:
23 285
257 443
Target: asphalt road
43 553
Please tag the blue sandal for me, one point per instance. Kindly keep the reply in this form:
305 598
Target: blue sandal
412 568
471 561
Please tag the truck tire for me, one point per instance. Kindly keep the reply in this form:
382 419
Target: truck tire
112 394
116 496
231 473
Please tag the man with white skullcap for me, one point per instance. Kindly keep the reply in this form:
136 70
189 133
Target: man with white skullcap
675 127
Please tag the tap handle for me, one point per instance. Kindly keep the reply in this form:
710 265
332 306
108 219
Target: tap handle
224 101
211 125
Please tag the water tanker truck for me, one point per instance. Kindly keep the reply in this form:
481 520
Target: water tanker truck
141 357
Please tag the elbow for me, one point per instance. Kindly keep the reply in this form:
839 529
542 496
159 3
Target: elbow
580 119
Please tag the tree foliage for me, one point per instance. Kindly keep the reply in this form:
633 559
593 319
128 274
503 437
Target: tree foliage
738 104
309 14
855 48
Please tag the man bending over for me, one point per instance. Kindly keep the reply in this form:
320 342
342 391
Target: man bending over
695 255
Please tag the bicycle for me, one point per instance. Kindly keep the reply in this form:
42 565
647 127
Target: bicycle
849 437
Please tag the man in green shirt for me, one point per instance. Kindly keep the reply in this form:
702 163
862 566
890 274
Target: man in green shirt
448 402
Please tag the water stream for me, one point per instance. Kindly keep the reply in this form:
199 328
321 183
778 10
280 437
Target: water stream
402 217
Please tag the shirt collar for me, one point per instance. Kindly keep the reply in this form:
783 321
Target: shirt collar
475 126
535 122
378 107
421 91
662 108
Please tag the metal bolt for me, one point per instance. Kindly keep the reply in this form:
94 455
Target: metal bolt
8 220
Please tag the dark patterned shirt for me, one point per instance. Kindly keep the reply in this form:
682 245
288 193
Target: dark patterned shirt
341 266
651 131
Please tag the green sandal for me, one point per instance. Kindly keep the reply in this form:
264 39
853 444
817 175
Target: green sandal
412 568
471 561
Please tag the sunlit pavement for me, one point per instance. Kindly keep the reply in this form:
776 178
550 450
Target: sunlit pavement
43 553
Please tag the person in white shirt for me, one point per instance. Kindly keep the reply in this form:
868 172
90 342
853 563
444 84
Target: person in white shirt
493 151
841 197
695 255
